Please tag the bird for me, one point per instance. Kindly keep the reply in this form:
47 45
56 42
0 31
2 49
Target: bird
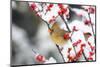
59 36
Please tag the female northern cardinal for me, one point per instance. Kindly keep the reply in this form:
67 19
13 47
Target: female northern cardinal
58 35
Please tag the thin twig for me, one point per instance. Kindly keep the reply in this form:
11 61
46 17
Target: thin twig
84 56
65 23
46 23
91 24
60 52
34 51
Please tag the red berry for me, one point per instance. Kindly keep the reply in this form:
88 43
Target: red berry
90 58
51 5
33 6
91 53
63 10
74 28
75 44
89 43
59 12
66 36
40 58
48 9
79 41
60 6
69 49
92 48
70 58
87 22
83 45
91 10
50 20
53 17
79 53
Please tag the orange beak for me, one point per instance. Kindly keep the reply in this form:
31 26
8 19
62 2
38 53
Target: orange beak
49 30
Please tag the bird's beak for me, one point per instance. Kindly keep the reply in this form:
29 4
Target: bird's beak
49 30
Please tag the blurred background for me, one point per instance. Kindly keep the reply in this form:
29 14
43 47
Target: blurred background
29 32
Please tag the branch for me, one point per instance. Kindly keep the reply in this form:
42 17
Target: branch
91 25
60 52
46 23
